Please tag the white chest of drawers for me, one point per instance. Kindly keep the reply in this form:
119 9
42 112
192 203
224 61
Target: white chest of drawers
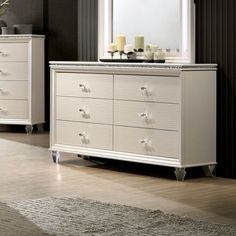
22 80
155 114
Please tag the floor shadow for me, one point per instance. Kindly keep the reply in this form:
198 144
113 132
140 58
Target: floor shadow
134 168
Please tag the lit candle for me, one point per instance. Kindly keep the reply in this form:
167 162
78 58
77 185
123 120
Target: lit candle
120 41
112 47
139 42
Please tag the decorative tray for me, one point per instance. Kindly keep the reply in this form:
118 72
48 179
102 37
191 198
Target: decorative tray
123 60
132 60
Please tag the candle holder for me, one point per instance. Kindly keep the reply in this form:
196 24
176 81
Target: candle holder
112 53
121 53
131 55
139 50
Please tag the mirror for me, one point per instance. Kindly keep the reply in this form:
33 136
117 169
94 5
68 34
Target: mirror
170 24
159 23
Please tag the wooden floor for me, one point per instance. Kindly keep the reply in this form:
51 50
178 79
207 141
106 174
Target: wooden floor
27 172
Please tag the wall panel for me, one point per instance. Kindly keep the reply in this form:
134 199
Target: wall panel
215 43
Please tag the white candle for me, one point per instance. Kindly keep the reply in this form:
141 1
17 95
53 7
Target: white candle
139 42
112 47
121 41
129 48
154 47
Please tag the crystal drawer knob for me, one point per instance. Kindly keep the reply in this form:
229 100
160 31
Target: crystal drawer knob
84 88
84 112
3 90
84 138
3 110
82 135
144 89
143 115
3 53
145 142
3 72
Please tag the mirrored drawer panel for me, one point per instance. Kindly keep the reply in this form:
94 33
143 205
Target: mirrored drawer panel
14 109
84 85
85 110
147 88
146 141
14 51
14 90
147 115
14 71
84 135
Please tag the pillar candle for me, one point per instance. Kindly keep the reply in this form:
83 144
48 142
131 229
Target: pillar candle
154 47
120 41
112 47
139 42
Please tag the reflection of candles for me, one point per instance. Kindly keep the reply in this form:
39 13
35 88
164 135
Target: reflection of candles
112 47
120 41
139 42
154 48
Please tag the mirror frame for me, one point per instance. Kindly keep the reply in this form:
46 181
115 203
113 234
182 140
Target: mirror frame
187 34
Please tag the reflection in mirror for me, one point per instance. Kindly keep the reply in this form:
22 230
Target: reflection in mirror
157 20
170 24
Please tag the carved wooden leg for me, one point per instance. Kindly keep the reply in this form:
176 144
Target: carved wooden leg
56 157
180 174
210 170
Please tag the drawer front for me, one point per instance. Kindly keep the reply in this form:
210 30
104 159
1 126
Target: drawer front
85 85
14 90
85 110
84 135
14 52
147 88
14 71
14 109
146 141
147 115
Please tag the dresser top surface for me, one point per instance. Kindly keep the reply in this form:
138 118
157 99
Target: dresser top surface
111 65
15 36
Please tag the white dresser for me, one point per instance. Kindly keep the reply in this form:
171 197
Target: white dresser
162 114
22 80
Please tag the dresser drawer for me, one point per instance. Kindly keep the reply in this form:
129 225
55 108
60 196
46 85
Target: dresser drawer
85 85
14 90
147 115
14 109
14 71
147 88
14 51
146 141
85 110
84 135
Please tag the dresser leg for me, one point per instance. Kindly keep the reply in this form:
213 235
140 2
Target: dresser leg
56 157
29 129
40 127
180 174
210 170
